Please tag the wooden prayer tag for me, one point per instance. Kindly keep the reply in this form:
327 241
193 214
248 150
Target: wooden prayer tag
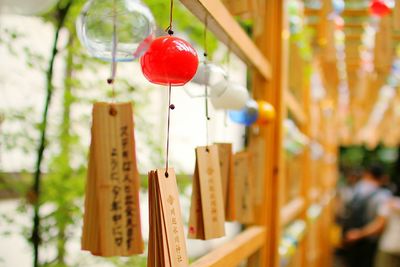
228 186
167 246
257 148
196 225
207 216
111 223
244 188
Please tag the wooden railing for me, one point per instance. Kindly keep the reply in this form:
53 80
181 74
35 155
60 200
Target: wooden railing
292 210
236 250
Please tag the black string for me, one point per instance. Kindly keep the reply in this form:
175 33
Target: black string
206 102
205 86
169 28
170 107
207 116
205 36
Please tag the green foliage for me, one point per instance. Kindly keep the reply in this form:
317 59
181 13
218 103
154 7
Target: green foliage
359 157
7 38
64 185
352 156
362 157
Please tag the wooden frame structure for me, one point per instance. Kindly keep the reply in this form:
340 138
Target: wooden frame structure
267 57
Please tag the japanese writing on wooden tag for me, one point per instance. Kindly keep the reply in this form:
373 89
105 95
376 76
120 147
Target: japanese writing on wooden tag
207 191
167 246
227 179
244 188
112 211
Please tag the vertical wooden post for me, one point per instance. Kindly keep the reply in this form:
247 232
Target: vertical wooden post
273 44
306 166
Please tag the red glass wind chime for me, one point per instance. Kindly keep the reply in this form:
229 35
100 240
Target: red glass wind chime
169 61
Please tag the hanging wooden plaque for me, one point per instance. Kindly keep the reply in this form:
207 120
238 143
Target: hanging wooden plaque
228 186
196 225
244 188
111 224
257 149
207 190
167 246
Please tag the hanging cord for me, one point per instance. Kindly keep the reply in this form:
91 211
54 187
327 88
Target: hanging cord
207 116
206 86
170 106
169 28
113 72
205 38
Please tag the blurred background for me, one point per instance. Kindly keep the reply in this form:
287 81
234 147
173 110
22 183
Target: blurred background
49 83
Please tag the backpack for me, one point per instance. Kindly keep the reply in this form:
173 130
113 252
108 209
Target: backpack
356 211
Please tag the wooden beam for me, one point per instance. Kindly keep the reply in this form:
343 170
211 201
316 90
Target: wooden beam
396 17
384 46
311 12
356 13
273 43
353 37
306 162
295 108
346 13
227 30
354 25
234 251
238 7
292 210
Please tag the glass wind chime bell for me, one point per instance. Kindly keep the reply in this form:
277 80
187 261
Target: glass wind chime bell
102 23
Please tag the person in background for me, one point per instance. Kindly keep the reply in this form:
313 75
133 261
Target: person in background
364 219
344 195
345 191
389 244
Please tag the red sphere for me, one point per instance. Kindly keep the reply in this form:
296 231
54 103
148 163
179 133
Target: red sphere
169 61
379 8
